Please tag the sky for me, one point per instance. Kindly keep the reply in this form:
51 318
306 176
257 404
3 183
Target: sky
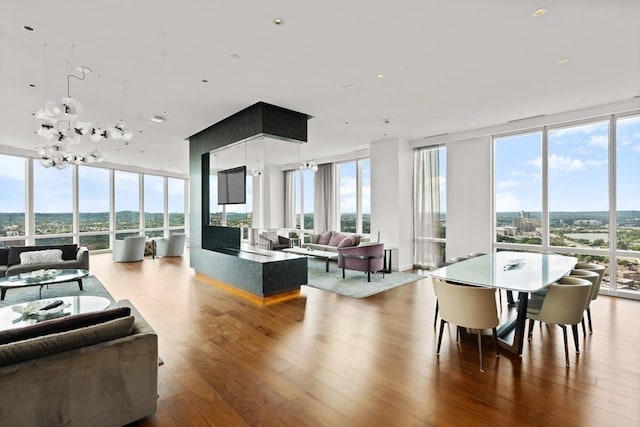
578 164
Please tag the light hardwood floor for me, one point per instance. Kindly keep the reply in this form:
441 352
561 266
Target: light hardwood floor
326 360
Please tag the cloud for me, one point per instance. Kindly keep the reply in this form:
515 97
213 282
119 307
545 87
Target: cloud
507 202
503 185
600 141
563 165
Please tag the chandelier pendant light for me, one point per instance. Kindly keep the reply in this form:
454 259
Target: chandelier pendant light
60 127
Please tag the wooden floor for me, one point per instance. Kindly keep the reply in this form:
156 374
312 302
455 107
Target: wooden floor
327 360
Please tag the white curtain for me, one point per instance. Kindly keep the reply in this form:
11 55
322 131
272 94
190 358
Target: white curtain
290 199
325 199
426 215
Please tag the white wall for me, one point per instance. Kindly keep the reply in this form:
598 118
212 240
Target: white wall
469 196
391 198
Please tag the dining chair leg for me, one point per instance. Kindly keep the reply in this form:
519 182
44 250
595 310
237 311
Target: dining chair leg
574 328
495 340
566 346
457 334
480 349
584 330
531 324
589 318
442 322
435 318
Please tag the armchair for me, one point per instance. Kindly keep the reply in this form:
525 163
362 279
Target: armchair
172 245
130 249
367 258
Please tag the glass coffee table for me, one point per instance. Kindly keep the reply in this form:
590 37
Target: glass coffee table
41 278
10 318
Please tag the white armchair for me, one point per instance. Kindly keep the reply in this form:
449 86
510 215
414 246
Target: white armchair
172 245
130 249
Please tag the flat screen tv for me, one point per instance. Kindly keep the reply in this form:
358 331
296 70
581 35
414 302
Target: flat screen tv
232 186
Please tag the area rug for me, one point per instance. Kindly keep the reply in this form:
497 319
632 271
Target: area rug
91 285
355 283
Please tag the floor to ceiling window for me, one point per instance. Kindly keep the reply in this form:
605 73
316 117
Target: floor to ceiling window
52 205
555 191
518 188
93 206
354 196
429 216
304 188
153 205
13 212
176 204
127 204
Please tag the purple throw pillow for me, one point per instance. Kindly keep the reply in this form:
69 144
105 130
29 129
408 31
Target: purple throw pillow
323 238
348 242
336 238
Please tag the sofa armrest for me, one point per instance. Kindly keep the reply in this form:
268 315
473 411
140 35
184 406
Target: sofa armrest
82 256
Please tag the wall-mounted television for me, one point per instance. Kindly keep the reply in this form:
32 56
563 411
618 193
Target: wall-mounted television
232 186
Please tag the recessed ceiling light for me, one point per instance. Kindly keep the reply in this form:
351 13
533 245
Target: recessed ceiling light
235 56
539 12
164 112
349 87
563 60
157 119
380 75
28 28
278 21
205 81
32 85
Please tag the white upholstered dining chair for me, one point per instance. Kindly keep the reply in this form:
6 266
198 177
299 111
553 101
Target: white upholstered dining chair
470 307
563 305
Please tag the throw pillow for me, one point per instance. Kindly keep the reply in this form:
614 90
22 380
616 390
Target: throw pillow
62 324
41 257
348 242
336 238
313 238
323 238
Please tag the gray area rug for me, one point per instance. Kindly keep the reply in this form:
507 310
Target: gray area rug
355 283
91 285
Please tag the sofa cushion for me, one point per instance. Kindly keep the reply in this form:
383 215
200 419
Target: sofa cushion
348 241
324 237
63 324
4 256
336 238
39 257
45 345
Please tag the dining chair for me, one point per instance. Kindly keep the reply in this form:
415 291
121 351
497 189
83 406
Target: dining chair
594 278
600 269
470 307
563 305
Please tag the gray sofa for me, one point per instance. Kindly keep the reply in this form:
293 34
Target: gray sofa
104 374
330 241
72 257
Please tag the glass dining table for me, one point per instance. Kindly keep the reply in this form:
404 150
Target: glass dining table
522 272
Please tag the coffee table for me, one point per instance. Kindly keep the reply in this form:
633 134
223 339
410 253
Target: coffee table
25 280
326 255
10 319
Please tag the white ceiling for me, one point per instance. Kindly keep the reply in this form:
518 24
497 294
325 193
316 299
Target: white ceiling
449 66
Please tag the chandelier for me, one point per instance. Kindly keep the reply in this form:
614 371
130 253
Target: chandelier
60 128
309 164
